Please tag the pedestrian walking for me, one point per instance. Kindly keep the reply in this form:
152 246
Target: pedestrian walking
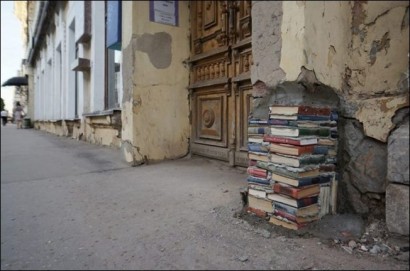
4 116
18 114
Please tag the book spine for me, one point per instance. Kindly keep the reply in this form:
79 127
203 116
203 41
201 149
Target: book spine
256 147
279 139
314 111
285 215
312 159
258 121
285 208
258 130
306 201
253 179
324 132
320 150
285 190
314 180
314 117
257 172
283 122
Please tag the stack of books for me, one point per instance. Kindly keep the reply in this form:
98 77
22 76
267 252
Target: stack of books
259 179
300 163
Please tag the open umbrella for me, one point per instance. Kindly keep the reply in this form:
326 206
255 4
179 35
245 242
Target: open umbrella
16 81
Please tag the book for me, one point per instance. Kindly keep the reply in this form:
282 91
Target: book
324 200
285 223
303 181
254 121
314 111
292 149
260 204
298 141
257 180
258 147
325 141
332 116
299 220
310 210
297 161
258 130
293 202
257 212
284 109
257 172
291 172
261 187
252 162
258 156
284 131
283 117
296 192
255 138
258 193
283 122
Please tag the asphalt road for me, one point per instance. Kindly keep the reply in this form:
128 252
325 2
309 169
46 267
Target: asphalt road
67 204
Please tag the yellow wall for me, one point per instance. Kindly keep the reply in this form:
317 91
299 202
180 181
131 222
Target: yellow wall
155 106
358 48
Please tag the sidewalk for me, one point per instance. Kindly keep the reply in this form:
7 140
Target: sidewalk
67 204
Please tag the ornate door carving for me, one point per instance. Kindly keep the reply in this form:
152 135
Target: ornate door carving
220 85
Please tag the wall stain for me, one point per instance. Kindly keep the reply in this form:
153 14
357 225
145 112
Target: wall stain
157 47
377 46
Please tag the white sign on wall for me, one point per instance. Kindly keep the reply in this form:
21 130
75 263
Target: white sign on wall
164 12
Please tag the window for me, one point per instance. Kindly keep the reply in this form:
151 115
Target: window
113 90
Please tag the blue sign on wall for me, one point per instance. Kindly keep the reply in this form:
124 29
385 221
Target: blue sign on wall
164 12
113 25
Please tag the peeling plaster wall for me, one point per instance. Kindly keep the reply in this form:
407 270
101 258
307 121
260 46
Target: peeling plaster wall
155 105
358 48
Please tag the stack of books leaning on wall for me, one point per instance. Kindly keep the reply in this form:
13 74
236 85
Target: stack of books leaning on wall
292 164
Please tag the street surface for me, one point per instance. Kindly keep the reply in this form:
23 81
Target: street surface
67 204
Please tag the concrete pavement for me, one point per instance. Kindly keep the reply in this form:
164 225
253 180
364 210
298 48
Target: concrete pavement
67 204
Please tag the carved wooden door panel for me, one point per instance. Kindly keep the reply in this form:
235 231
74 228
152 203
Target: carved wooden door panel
220 79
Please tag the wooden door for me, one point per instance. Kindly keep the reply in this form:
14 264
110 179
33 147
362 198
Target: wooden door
220 86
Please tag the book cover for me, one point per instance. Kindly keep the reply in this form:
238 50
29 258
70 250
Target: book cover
314 111
298 203
296 192
257 172
282 122
285 223
291 172
258 121
303 181
257 212
284 131
319 131
258 193
333 116
324 200
255 138
297 161
310 210
298 141
258 147
261 187
284 109
258 130
260 204
257 180
258 156
283 117
292 149
296 219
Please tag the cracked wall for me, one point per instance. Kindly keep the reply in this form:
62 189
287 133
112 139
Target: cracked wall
155 103
356 49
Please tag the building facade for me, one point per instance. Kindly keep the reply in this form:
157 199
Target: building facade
182 77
